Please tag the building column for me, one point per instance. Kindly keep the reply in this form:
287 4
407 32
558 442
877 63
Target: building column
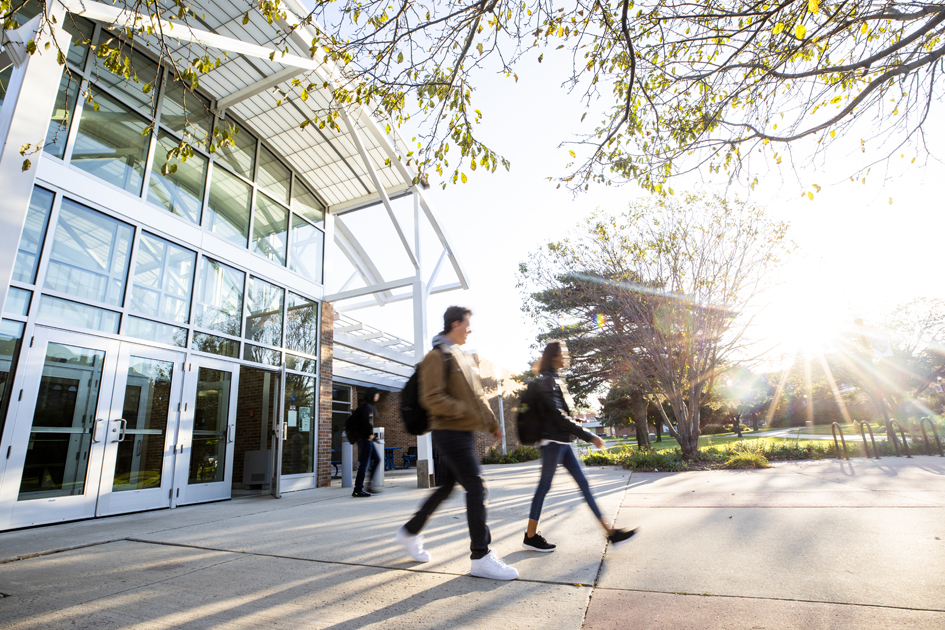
24 120
424 442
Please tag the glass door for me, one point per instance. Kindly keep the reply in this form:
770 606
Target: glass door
141 431
207 430
60 428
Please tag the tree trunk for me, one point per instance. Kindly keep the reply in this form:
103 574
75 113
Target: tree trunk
638 413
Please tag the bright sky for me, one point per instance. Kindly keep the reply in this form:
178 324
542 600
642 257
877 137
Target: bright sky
857 253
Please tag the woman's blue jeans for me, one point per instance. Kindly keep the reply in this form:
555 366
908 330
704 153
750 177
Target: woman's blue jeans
553 454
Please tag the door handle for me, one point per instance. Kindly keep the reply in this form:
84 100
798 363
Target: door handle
95 425
229 433
124 430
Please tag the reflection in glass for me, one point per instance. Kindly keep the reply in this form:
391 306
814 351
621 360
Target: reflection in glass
180 192
34 232
185 113
219 297
301 420
57 457
58 131
163 279
144 71
273 177
301 329
110 144
340 410
211 411
212 344
17 302
11 336
89 255
155 331
228 207
308 244
305 204
140 458
241 155
300 364
5 75
264 317
73 314
81 31
270 229
262 355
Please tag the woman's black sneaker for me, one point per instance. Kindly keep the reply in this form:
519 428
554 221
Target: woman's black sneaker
358 493
537 543
620 536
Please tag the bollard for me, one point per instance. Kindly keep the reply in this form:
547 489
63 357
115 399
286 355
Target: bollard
905 442
378 481
347 461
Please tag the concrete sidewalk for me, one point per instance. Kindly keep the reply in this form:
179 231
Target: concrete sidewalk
816 544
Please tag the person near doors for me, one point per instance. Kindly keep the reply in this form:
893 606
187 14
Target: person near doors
457 408
362 428
558 431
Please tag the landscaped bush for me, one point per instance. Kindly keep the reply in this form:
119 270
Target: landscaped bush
747 460
712 429
521 454
642 460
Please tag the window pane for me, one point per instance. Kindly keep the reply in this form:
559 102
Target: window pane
264 320
163 279
306 204
273 176
269 229
73 314
128 85
156 331
57 458
5 76
185 113
228 210
110 144
58 132
11 335
301 330
81 31
139 462
300 364
262 355
34 233
300 419
17 302
180 192
308 243
89 255
216 345
211 413
241 155
219 297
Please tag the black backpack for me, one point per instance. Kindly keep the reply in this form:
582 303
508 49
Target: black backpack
416 419
528 421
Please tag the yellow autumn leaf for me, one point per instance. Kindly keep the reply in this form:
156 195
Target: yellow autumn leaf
800 31
462 176
890 201
836 99
813 6
810 196
864 29
777 28
573 154
833 134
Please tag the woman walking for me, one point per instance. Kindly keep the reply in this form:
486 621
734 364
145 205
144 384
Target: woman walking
558 431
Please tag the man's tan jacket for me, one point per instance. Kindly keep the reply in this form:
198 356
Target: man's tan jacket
455 401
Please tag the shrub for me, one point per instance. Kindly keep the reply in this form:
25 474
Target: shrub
521 454
747 460
712 429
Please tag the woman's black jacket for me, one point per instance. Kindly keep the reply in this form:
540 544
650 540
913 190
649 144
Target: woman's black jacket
557 425
361 425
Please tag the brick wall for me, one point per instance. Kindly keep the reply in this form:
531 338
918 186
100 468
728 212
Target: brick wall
249 417
327 324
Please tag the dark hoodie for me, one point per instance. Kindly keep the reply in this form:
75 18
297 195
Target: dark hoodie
362 420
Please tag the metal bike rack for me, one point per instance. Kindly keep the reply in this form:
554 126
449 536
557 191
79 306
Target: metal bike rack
905 442
833 429
866 447
926 437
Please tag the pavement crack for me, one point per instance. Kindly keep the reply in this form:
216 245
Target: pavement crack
40 554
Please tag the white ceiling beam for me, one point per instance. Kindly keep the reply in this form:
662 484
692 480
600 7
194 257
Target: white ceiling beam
441 234
399 297
365 201
368 290
256 88
358 258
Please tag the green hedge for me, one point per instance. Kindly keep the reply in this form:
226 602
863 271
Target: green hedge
521 454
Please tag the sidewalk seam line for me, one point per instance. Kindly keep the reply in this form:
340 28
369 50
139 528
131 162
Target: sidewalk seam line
776 599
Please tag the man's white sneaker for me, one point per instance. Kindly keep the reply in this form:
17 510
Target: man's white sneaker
489 566
413 545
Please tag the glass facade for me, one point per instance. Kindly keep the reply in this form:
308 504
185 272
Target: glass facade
163 279
34 233
180 191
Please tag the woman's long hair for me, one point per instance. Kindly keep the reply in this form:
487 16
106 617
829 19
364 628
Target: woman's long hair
552 350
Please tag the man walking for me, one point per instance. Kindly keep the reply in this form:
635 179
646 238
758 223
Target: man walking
452 394
362 429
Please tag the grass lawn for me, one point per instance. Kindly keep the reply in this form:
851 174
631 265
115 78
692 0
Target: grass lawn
706 440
